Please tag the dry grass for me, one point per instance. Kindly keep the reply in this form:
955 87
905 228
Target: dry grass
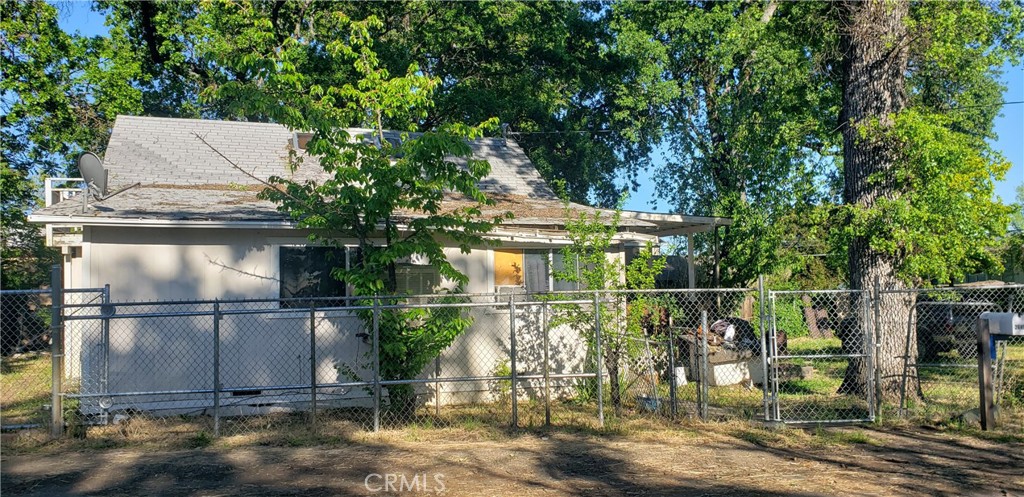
470 424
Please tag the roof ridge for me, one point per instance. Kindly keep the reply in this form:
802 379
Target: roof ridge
198 120
356 129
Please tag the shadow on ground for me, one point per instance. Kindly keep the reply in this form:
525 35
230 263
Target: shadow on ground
682 462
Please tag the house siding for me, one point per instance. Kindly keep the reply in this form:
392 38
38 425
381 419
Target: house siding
261 350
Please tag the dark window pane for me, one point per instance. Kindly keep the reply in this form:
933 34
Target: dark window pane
536 262
558 266
306 273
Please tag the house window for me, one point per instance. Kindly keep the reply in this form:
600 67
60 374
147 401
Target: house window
417 279
529 271
306 274
559 266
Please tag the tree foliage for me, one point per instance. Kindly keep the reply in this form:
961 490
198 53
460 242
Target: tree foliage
58 96
393 199
744 99
754 122
599 268
748 134
934 217
1012 250
547 70
551 71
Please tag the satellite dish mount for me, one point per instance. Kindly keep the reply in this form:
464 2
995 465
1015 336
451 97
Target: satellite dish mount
94 174
95 177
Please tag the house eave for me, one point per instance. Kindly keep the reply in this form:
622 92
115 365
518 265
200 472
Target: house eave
160 223
508 233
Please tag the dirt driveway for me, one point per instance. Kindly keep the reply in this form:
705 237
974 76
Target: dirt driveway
745 461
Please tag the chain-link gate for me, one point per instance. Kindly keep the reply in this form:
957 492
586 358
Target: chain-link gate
820 358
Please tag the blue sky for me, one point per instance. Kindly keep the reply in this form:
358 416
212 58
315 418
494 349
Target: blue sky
1009 125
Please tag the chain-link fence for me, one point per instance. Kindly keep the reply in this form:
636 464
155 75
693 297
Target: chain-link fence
262 368
26 362
256 367
929 339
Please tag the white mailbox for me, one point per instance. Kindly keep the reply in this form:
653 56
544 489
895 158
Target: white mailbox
1004 323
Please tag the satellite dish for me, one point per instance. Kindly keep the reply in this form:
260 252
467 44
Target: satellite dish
93 172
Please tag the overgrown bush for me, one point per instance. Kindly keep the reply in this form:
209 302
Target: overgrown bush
789 317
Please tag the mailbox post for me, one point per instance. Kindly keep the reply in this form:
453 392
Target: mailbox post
992 326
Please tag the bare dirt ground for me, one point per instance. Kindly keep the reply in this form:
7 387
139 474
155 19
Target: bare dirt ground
695 460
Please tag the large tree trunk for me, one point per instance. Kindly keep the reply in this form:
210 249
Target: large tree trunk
874 48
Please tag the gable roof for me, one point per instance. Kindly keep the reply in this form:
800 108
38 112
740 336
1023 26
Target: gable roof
185 181
152 150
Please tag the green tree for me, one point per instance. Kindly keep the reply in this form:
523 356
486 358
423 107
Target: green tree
592 238
748 133
549 70
59 94
920 91
393 199
1012 250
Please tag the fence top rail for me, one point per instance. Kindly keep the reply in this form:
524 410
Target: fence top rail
303 310
495 297
987 288
646 290
82 290
845 291
35 291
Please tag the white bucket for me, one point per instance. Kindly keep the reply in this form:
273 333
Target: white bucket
680 373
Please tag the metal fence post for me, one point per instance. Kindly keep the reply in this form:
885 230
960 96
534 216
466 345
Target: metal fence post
763 320
672 374
773 347
547 365
879 342
600 359
216 368
56 351
702 405
106 345
512 356
376 364
312 368
437 386
869 352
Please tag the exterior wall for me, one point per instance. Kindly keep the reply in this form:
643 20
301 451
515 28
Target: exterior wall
258 351
184 264
145 264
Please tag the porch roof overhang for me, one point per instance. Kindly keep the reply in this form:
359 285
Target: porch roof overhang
677 224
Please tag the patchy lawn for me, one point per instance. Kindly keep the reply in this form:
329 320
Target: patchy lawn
24 388
689 459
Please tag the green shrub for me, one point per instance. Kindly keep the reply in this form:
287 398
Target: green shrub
789 317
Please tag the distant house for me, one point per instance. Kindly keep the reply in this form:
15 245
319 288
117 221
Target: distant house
194 229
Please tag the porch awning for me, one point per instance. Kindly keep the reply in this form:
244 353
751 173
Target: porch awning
676 224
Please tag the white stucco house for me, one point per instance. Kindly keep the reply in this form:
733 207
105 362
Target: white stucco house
193 229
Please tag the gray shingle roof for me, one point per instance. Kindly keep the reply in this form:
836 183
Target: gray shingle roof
184 180
152 150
